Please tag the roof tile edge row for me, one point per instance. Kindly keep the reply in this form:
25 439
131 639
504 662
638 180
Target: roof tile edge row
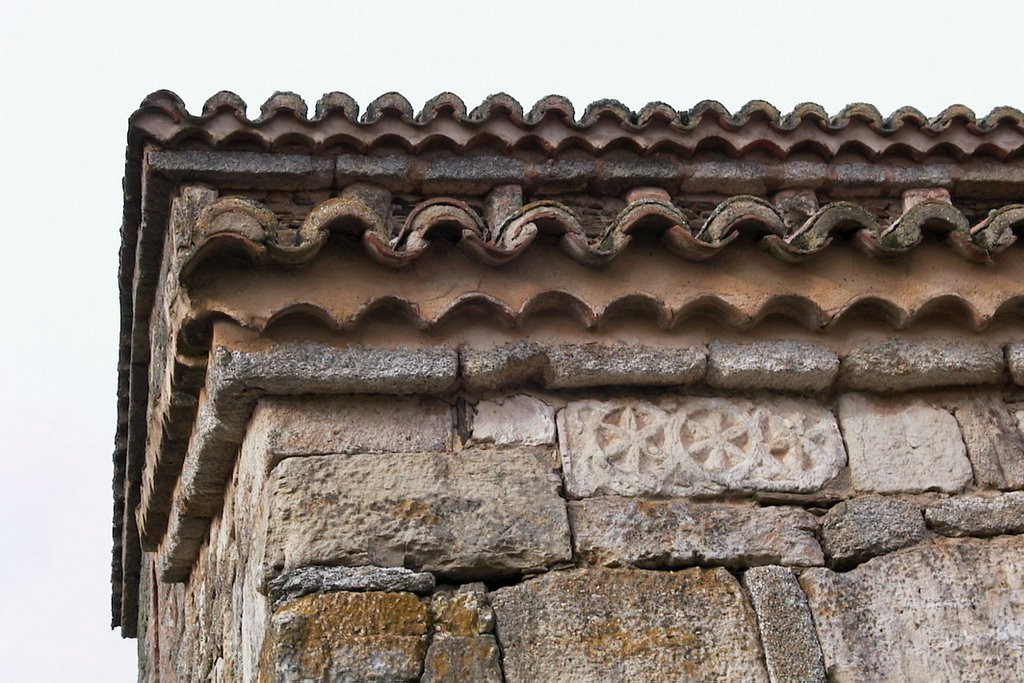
451 105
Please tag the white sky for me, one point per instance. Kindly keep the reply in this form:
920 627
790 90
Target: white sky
73 72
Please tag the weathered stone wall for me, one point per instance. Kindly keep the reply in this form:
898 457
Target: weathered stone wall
783 532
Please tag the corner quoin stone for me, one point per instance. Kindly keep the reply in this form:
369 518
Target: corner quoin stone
567 366
353 424
778 365
628 625
791 647
902 446
476 514
346 637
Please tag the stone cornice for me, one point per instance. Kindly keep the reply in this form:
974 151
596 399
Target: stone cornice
489 181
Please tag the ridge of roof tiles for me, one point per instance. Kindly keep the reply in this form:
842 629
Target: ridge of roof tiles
495 245
451 105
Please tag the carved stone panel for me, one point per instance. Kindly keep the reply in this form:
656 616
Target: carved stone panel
697 445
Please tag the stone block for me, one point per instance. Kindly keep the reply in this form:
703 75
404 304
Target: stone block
464 612
516 420
456 659
471 515
1015 362
791 648
861 528
977 516
463 647
346 637
665 534
292 368
353 424
902 446
901 365
993 441
779 365
944 612
318 579
564 366
694 445
628 625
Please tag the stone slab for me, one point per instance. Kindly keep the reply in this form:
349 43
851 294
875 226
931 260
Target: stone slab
456 658
899 364
353 424
946 612
791 648
475 514
347 637
861 528
515 420
993 440
696 445
563 366
667 534
317 579
978 516
903 446
628 625
774 365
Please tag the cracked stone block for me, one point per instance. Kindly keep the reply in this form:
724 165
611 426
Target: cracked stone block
902 446
901 365
516 420
694 445
791 648
347 637
665 534
993 440
353 424
861 528
628 625
471 515
978 516
951 611
564 366
777 365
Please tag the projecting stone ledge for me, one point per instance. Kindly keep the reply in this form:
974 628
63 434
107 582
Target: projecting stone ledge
476 514
946 612
628 625
566 366
902 365
692 446
660 534
779 365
